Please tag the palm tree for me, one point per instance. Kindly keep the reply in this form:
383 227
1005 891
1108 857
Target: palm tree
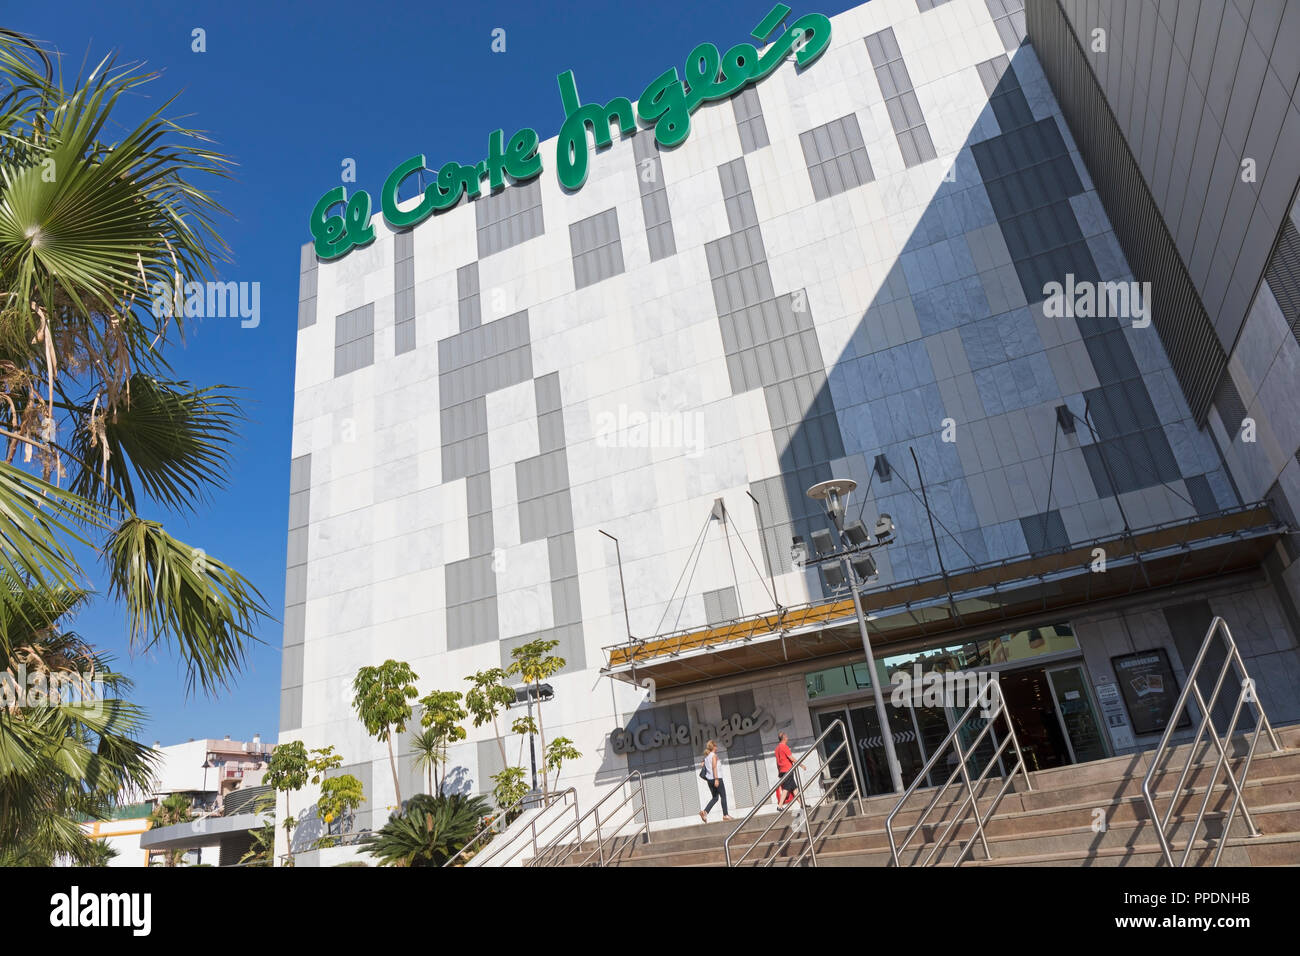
427 748
101 854
429 832
71 753
173 809
96 432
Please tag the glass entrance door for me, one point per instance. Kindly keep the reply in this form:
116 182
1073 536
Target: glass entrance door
840 761
915 730
1078 716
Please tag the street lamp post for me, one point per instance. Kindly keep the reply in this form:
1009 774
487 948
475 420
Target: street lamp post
834 494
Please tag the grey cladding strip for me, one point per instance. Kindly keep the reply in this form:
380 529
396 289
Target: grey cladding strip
307 287
1283 275
771 343
836 157
1045 532
737 197
354 340
509 217
749 120
295 593
467 295
403 292
1009 18
1231 408
720 606
597 248
1005 95
654 198
1202 494
900 98
484 359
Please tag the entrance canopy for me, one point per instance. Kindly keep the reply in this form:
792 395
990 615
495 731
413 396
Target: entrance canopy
989 594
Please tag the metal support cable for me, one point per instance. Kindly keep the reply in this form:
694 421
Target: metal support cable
671 597
754 565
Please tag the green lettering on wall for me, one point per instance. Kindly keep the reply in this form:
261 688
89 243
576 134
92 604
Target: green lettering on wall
666 104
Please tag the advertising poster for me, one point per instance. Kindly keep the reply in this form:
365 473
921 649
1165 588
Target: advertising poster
1150 691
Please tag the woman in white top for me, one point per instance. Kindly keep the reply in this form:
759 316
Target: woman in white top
711 771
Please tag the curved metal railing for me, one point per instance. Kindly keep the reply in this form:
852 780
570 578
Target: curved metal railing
805 826
1246 694
558 852
991 704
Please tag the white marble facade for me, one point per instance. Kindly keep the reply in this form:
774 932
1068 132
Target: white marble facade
884 266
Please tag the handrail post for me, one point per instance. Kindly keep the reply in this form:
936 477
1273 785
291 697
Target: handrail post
823 762
1232 661
807 821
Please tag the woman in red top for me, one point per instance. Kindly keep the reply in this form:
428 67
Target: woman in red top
785 766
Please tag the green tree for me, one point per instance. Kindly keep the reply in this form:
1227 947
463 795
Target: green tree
322 761
559 752
381 698
429 832
441 714
173 809
288 771
535 663
99 208
261 852
487 697
510 787
339 797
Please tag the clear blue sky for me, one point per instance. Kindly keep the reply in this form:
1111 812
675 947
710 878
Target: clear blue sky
289 90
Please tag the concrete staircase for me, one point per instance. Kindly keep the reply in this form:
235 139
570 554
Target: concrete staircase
1058 823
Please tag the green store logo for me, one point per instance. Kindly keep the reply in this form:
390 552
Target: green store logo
339 222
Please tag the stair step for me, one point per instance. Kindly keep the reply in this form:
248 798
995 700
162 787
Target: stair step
1052 824
1259 793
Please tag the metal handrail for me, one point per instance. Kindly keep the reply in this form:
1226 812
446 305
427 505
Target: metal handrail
828 790
542 859
990 712
1232 659
545 802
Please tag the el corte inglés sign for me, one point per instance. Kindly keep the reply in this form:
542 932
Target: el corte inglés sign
340 222
697 734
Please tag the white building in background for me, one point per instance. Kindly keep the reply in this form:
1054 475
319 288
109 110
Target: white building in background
207 771
843 263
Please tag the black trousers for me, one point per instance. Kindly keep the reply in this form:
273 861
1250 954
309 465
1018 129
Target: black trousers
719 791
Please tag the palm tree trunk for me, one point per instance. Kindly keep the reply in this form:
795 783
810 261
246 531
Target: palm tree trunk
392 763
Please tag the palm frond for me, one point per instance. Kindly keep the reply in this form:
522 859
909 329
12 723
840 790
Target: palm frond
172 436
180 595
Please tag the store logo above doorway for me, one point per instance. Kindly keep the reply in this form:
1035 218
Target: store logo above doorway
339 223
648 737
